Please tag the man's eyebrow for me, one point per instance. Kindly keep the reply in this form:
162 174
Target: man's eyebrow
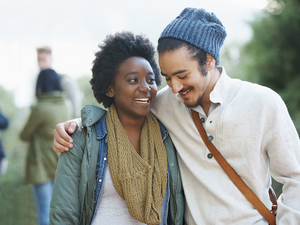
177 72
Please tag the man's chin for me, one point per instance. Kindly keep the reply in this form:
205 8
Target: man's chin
192 104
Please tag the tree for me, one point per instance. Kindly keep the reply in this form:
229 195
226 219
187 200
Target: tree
271 57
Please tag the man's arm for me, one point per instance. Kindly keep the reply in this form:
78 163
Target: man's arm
62 140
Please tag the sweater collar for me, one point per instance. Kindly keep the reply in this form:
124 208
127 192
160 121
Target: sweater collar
225 88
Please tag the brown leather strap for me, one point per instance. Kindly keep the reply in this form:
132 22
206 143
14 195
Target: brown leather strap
235 178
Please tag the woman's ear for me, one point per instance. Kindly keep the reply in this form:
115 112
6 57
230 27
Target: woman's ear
110 91
210 62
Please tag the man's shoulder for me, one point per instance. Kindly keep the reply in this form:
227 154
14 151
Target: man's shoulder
259 90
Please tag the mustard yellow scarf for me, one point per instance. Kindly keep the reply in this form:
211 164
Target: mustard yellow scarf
140 180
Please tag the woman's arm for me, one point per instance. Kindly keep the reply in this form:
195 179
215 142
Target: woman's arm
65 206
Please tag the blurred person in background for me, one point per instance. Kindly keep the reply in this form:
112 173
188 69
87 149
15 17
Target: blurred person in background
44 57
52 107
3 158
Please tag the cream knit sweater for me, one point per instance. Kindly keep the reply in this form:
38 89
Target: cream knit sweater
250 126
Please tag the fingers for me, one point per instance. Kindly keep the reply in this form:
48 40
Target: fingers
60 144
62 141
72 127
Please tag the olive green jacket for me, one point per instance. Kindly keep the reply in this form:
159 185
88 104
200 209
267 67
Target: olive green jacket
76 173
51 109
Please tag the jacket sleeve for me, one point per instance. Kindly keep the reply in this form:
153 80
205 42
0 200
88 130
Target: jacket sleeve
65 205
35 120
177 198
3 122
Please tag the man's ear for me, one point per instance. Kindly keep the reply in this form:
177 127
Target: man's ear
110 91
210 62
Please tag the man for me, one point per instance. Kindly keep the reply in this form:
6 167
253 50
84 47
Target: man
249 125
69 86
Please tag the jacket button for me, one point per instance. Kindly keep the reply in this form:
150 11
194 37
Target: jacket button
202 120
209 155
172 164
100 180
105 159
91 120
210 138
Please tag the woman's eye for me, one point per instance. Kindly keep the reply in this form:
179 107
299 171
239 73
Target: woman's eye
132 80
151 80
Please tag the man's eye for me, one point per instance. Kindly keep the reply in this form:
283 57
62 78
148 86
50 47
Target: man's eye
182 77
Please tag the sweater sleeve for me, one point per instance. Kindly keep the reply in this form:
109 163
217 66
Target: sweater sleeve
284 153
34 121
65 205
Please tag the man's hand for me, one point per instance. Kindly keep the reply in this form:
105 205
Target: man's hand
62 140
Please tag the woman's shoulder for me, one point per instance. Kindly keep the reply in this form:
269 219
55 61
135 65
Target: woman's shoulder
90 114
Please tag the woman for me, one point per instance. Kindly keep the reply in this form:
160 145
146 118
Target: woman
41 160
117 171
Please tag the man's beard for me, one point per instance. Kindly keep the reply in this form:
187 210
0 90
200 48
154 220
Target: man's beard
198 102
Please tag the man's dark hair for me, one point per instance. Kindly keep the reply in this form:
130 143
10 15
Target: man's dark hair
114 51
171 44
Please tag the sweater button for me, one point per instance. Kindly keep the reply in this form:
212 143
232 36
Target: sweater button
202 120
210 138
209 155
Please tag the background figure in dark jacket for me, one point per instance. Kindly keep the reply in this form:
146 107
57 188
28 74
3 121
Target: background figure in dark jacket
68 85
3 159
52 107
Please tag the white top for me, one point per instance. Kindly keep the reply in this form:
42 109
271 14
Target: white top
112 208
252 129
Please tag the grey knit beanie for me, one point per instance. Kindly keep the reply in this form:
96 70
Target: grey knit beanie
199 28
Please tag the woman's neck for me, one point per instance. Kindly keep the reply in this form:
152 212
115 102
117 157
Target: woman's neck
133 128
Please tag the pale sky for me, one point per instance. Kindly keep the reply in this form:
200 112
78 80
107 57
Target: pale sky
74 28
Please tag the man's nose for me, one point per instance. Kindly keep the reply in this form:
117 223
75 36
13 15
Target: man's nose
175 85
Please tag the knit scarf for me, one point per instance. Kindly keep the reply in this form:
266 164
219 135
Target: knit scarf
140 180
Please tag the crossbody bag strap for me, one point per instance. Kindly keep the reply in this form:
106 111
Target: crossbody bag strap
235 178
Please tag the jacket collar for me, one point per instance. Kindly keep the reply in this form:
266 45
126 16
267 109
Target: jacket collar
102 129
91 114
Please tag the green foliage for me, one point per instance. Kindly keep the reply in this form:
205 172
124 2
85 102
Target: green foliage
271 58
86 89
16 200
